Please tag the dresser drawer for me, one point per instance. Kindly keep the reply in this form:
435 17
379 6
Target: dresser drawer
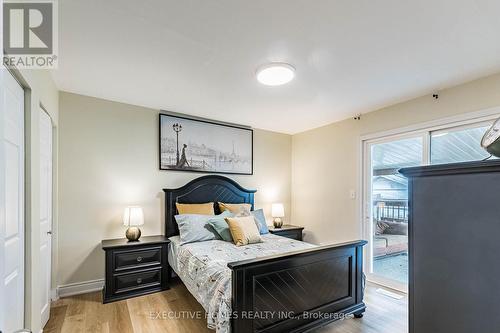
127 282
133 259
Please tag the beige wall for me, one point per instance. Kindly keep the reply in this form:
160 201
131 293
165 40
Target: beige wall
326 161
109 159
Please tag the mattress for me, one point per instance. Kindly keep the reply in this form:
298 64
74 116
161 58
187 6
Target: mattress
203 268
173 249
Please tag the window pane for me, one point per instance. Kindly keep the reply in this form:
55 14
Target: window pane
397 154
458 145
390 206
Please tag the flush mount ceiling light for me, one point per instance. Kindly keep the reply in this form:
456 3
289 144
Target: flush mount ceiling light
275 74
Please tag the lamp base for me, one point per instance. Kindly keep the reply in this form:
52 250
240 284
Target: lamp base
278 222
133 234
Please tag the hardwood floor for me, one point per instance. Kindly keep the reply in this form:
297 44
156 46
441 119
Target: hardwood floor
86 313
383 315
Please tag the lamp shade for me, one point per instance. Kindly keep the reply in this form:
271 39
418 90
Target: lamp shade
277 210
133 216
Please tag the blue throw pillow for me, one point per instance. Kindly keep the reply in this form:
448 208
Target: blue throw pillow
260 220
195 228
221 227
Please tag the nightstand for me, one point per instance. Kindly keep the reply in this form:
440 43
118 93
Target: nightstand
288 230
135 268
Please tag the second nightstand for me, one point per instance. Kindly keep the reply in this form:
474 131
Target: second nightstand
135 268
288 230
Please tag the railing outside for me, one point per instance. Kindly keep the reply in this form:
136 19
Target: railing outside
390 210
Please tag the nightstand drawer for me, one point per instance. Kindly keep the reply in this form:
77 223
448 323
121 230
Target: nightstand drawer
127 282
135 268
293 234
133 259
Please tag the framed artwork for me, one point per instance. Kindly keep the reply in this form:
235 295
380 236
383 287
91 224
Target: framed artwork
204 146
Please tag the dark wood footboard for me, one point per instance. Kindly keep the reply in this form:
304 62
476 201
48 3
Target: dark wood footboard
298 291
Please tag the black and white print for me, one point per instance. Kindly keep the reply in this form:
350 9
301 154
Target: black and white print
203 146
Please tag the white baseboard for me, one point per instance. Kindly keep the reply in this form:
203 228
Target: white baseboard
80 288
53 294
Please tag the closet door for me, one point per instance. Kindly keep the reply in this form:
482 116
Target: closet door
45 213
11 203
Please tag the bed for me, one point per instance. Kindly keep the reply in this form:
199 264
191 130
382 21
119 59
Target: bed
280 285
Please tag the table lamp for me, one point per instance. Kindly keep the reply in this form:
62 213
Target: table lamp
277 211
133 217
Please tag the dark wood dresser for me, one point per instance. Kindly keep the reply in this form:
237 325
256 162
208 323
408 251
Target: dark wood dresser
135 268
454 237
289 231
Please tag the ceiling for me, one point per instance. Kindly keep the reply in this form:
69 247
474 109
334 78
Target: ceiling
199 57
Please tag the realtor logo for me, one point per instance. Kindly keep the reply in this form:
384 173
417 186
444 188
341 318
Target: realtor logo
29 34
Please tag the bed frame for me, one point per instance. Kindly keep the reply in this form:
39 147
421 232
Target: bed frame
291 292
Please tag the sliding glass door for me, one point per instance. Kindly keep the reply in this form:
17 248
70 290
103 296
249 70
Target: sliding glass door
385 191
387 208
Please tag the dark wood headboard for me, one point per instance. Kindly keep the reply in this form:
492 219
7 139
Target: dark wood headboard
212 188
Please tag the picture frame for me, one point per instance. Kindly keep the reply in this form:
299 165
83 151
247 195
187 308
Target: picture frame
199 145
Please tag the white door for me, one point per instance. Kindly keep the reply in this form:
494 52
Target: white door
45 212
386 207
11 203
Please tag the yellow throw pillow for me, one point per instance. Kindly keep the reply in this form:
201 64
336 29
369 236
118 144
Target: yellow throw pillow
239 209
243 230
201 209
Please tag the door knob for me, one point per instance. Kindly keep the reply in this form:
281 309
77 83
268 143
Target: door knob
49 232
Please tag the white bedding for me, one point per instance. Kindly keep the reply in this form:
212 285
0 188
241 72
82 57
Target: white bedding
203 268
